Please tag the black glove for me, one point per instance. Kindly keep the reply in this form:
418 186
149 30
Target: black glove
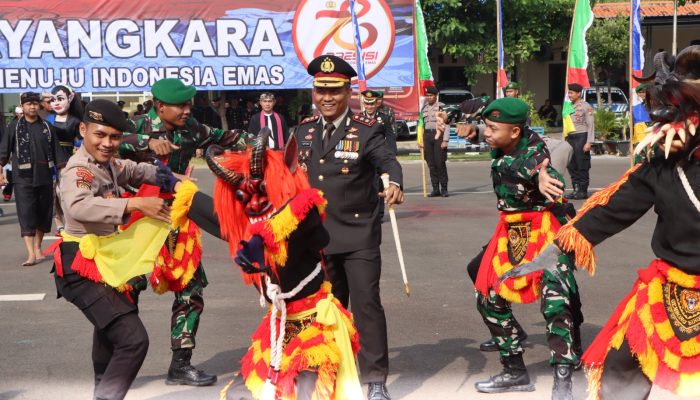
165 178
251 256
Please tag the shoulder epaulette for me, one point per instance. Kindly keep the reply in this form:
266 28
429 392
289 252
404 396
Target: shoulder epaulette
310 119
363 119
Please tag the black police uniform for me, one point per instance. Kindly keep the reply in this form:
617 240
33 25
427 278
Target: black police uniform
344 169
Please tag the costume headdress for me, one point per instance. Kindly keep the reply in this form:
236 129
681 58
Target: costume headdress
674 97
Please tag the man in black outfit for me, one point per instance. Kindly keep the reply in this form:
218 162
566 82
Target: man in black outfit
267 117
31 145
342 152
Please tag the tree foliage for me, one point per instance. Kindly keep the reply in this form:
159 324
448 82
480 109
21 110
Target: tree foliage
467 28
608 49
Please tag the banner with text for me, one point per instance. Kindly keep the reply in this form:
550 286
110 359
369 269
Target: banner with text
126 45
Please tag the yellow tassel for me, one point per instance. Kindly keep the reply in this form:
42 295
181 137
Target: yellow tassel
570 239
594 375
689 385
182 203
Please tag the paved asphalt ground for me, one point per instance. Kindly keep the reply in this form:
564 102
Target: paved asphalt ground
433 335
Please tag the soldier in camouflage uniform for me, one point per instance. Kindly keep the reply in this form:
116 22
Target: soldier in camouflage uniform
168 132
526 187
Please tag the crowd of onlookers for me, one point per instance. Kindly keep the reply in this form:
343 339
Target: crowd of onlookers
44 132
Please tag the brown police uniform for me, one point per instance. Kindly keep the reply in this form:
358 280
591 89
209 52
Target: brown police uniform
89 195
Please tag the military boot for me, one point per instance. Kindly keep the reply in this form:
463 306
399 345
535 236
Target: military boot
435 192
443 190
182 373
513 378
561 389
573 193
582 193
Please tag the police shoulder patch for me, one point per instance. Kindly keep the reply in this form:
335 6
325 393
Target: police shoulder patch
363 120
310 119
84 178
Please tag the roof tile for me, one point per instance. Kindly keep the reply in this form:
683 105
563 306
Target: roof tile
649 9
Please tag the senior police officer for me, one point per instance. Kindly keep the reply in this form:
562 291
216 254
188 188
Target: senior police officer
370 100
341 152
89 192
169 132
580 140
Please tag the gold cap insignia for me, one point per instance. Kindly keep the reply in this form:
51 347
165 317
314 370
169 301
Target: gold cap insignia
96 116
327 66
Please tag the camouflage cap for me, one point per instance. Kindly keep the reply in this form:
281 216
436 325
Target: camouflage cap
508 110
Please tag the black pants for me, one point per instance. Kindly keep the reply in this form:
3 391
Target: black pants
580 164
436 158
34 208
622 378
355 278
120 341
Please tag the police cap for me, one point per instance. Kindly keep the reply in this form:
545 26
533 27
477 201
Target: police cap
330 71
432 90
508 110
172 91
370 96
107 113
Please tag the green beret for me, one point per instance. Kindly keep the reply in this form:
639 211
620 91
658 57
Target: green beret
380 93
106 112
641 87
512 85
172 91
508 110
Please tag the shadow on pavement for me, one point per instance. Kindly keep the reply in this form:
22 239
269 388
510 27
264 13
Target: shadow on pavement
418 363
9 395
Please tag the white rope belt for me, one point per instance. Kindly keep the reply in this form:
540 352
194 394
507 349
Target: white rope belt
277 298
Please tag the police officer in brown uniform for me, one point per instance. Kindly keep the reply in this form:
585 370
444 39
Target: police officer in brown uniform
89 192
342 152
580 140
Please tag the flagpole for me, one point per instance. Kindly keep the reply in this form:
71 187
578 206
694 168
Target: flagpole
498 48
568 62
631 87
675 26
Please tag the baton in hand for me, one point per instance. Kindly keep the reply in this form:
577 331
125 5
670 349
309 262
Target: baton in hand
395 230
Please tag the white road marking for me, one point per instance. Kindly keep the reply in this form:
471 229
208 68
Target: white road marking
6 204
23 297
51 237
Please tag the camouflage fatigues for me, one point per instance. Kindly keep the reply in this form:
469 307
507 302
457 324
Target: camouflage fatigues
515 183
188 303
190 138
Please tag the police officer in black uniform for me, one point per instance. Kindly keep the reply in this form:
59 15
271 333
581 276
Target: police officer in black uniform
342 152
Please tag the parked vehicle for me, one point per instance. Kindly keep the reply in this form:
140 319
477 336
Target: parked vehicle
451 98
619 104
